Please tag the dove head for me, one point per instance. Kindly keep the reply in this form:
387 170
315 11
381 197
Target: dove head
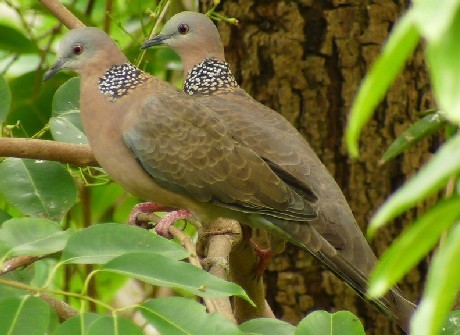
193 36
86 49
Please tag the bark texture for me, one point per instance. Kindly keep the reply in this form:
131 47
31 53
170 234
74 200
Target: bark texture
306 59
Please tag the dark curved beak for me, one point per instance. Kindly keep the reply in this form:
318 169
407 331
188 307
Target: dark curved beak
55 68
157 40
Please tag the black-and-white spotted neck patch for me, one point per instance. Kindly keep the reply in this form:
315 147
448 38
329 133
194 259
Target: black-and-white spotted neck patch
208 77
119 80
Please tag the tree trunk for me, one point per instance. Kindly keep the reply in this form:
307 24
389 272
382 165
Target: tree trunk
306 59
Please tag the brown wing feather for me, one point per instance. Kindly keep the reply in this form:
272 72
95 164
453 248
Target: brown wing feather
187 149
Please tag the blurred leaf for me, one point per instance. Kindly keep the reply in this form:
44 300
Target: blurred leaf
65 125
31 103
4 216
324 323
8 291
452 325
429 179
32 236
5 99
108 325
266 326
161 271
441 289
443 62
432 18
24 315
14 41
102 199
108 285
414 244
182 316
101 243
399 46
73 325
417 131
38 188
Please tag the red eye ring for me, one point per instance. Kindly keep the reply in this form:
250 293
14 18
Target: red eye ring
77 49
183 28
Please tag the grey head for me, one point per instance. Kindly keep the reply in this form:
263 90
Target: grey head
83 49
193 36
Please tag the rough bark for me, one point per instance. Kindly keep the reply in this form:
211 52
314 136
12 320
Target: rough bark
306 59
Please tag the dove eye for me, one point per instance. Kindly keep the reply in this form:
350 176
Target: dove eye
183 29
77 49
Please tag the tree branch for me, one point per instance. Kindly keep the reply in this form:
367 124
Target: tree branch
63 310
62 14
17 262
75 154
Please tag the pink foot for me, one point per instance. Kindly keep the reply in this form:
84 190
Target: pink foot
265 256
145 208
162 227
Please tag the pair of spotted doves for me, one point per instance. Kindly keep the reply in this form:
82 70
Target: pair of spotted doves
213 150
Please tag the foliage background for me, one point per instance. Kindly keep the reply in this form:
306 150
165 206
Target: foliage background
335 47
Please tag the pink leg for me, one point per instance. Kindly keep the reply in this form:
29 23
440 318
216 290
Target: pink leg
265 256
162 227
145 208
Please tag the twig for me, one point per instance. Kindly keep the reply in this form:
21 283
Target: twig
108 9
155 29
62 14
63 310
75 154
17 262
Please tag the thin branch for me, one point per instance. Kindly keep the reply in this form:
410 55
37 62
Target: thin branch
63 310
155 28
62 14
75 154
18 262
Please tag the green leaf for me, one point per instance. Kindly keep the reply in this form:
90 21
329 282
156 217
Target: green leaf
324 323
14 41
161 271
434 175
4 216
443 62
38 188
422 128
101 243
442 287
182 316
452 325
32 236
414 244
7 291
434 18
5 99
117 326
66 125
266 326
73 325
400 45
24 315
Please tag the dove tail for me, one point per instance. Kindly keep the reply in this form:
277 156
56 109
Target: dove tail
304 235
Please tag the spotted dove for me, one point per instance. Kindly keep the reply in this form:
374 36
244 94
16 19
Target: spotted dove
209 80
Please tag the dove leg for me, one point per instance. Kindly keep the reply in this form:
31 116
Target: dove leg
145 208
162 227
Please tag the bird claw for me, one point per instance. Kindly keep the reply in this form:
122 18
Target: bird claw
265 255
162 227
145 208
